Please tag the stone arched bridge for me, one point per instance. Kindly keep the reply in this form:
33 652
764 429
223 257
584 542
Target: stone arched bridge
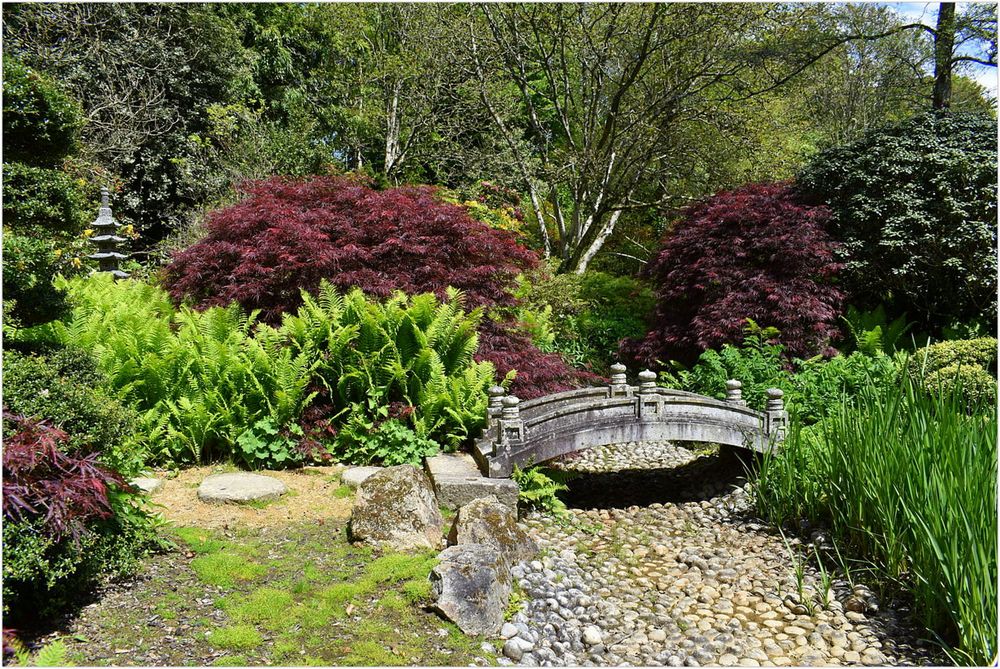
534 431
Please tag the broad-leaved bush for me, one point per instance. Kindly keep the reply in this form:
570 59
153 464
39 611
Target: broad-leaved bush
64 388
914 207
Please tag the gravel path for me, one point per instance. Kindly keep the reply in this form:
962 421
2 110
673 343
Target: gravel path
662 563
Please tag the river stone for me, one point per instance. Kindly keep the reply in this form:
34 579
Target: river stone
471 587
147 485
355 476
240 488
488 522
395 508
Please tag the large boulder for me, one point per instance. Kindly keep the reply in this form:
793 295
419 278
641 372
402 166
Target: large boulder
396 509
471 586
489 522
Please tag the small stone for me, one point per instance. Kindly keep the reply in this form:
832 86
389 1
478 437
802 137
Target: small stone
516 647
657 636
240 488
749 662
852 656
355 476
508 631
147 485
592 635
792 630
728 660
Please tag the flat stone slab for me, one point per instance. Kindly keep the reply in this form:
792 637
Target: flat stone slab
147 485
240 488
457 481
355 476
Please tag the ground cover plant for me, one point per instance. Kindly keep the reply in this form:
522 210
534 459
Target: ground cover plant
394 375
905 480
299 596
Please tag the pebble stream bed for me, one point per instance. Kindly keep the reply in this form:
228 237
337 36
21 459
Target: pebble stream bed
662 563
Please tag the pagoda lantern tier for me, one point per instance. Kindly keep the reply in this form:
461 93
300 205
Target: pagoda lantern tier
107 254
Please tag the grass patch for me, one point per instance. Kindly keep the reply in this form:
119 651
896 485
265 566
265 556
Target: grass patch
226 569
230 661
372 654
236 637
267 607
198 540
343 492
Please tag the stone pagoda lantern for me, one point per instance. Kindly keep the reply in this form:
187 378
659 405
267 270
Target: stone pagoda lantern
105 227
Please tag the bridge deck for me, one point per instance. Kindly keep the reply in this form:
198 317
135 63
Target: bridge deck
541 429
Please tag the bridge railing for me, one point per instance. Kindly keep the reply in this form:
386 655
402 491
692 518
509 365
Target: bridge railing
539 429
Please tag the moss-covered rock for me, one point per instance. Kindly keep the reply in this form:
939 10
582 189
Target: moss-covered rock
487 522
396 509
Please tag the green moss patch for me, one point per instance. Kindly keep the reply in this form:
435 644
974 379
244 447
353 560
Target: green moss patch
226 569
237 637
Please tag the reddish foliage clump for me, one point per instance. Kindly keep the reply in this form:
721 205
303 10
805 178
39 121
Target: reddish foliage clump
755 252
538 373
287 235
40 481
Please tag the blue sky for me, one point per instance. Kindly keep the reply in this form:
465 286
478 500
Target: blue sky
926 12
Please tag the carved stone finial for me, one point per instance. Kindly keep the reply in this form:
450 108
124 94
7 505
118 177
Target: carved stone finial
734 391
647 380
495 402
618 377
774 399
510 407
105 201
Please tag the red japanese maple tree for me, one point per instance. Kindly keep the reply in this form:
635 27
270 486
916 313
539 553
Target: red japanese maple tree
754 252
288 234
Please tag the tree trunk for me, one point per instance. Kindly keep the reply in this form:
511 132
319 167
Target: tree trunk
944 45
393 154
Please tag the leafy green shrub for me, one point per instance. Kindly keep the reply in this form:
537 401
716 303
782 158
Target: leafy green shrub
38 198
366 440
908 481
758 364
204 381
29 298
40 121
820 385
65 388
584 317
969 363
915 207
812 387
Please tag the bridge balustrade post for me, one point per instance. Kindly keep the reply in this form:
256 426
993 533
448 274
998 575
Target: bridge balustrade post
648 399
494 405
511 426
734 393
619 382
777 417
